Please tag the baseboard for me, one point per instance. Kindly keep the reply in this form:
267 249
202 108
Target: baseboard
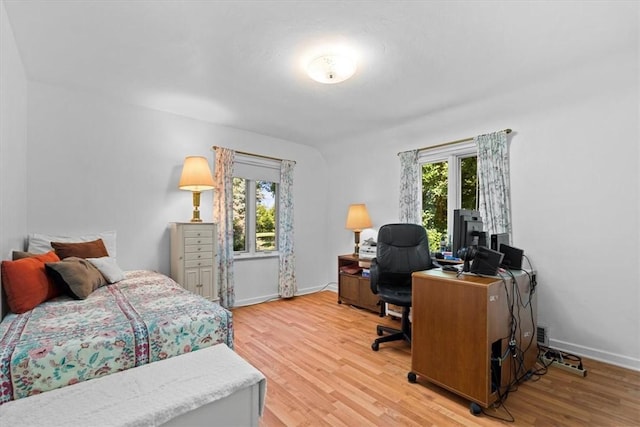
302 291
313 289
595 354
255 300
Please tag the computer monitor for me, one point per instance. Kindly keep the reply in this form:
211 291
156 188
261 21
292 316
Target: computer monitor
467 230
512 259
486 261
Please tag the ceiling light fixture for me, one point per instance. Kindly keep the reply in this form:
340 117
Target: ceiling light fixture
331 69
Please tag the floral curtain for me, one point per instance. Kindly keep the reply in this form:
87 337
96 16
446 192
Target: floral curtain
287 286
493 182
223 216
410 195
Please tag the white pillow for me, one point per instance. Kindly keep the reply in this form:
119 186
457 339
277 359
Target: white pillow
109 268
41 243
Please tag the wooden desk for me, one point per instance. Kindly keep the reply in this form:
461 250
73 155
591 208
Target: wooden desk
461 323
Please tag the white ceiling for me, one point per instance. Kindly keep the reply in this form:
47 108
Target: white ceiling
238 63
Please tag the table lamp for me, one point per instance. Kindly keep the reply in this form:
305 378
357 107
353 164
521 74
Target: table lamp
357 220
196 177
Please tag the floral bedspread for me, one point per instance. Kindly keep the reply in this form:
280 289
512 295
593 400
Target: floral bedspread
142 319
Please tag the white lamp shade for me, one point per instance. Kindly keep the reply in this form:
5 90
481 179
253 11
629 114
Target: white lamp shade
196 175
358 217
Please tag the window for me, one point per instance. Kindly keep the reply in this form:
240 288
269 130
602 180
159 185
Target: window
449 181
255 207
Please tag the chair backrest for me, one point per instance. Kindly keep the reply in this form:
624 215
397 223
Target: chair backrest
403 249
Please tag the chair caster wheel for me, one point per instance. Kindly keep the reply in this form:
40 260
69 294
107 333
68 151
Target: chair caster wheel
412 377
379 331
375 346
475 409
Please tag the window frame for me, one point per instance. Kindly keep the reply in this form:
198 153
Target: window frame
452 154
253 169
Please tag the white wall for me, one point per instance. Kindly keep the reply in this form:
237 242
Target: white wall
575 193
13 141
96 164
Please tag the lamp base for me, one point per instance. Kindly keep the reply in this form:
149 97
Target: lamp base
356 250
196 206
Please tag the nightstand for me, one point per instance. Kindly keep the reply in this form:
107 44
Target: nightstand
355 289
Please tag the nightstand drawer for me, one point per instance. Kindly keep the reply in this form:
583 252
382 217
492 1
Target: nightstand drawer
198 241
193 256
198 263
202 232
197 248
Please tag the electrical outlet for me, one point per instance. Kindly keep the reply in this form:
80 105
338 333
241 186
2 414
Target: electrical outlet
542 335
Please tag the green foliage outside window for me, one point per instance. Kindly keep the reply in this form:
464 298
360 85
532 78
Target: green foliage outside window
435 197
434 202
265 216
265 193
469 178
239 214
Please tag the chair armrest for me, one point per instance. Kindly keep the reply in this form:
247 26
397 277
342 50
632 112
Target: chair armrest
374 276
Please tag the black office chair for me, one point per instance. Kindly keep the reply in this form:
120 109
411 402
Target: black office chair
402 249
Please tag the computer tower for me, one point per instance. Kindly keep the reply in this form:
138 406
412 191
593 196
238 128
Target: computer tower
499 239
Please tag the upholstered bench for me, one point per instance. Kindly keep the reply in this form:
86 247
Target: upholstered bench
212 386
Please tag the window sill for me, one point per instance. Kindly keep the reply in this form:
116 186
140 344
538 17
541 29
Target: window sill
259 255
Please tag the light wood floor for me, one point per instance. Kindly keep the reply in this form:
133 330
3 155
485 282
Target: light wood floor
321 371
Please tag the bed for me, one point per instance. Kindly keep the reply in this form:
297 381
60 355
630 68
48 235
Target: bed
144 318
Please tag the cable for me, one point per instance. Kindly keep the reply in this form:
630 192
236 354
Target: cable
554 354
518 372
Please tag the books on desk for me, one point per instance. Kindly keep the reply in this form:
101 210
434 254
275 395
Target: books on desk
351 269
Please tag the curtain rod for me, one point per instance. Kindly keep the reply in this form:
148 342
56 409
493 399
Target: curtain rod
450 143
246 153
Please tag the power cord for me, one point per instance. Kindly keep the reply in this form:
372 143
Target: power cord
559 355
517 374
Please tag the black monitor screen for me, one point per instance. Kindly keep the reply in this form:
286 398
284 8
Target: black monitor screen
512 257
466 221
473 234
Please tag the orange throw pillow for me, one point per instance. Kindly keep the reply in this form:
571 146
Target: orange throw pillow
94 249
26 282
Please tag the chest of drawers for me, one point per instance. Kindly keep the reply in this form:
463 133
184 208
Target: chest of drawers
193 257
